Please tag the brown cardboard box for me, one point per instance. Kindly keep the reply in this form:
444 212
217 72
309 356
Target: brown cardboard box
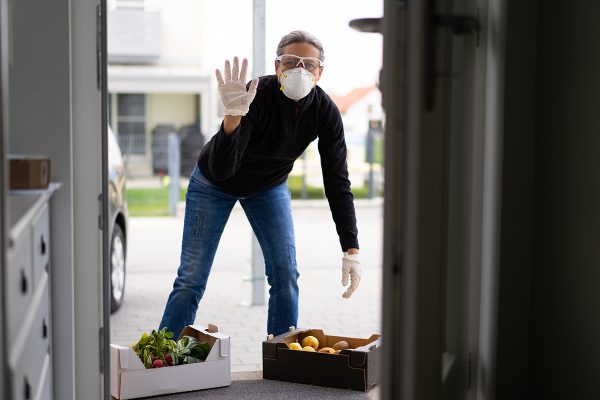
29 172
356 368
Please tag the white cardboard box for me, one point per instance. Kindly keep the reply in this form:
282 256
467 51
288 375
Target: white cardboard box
130 379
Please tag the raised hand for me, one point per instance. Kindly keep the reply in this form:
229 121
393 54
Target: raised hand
236 99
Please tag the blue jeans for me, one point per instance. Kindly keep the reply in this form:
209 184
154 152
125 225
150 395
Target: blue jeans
207 210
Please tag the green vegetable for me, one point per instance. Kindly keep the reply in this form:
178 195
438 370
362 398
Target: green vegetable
189 350
159 346
156 346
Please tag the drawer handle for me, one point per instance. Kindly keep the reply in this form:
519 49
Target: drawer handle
27 390
44 329
43 246
23 282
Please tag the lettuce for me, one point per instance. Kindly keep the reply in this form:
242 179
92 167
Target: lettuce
160 346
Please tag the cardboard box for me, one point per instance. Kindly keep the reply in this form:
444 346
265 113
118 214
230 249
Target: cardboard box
130 379
29 172
356 368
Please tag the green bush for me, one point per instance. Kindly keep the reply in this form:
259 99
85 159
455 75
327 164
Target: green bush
294 184
153 202
295 187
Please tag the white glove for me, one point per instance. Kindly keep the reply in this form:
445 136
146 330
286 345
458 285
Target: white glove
351 269
234 96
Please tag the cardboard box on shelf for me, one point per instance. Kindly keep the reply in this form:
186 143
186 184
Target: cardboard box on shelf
356 368
29 172
130 379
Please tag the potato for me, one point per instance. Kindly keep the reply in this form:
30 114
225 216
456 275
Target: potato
341 345
327 350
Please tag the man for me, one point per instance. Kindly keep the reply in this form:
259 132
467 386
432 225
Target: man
267 125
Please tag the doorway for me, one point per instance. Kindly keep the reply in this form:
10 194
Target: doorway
154 242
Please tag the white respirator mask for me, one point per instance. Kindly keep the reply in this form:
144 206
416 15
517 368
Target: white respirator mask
296 83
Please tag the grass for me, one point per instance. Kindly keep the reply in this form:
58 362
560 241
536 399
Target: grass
154 202
150 202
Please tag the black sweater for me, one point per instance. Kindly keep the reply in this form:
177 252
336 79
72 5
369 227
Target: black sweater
274 133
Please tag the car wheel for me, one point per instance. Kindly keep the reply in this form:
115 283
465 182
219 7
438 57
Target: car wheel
117 268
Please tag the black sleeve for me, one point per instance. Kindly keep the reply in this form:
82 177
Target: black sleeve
332 148
225 152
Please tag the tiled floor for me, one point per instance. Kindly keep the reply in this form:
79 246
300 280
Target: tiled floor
152 263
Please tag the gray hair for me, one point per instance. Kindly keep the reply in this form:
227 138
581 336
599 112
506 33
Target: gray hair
300 37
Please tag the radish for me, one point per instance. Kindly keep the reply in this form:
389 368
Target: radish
157 363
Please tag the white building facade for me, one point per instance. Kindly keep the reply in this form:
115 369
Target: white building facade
157 78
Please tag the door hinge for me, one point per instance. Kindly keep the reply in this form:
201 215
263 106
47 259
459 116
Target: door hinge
461 24
100 218
469 371
101 337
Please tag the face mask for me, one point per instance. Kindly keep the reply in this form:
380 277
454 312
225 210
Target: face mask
296 83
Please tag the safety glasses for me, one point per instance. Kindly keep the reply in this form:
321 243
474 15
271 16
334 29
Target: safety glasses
289 61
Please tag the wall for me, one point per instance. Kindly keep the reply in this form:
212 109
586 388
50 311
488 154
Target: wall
548 321
182 30
177 109
517 202
565 321
40 112
55 110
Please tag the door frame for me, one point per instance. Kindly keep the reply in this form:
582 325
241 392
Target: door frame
412 287
102 62
411 277
4 390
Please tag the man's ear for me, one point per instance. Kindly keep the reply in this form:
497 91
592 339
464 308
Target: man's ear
320 73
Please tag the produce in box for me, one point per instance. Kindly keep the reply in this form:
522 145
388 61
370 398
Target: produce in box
311 343
159 350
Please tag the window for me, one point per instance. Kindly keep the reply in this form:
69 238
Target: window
131 126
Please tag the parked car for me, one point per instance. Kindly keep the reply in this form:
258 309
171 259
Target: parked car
118 220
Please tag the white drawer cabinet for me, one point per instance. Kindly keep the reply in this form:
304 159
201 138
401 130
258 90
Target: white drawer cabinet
19 281
44 391
40 230
28 288
32 347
